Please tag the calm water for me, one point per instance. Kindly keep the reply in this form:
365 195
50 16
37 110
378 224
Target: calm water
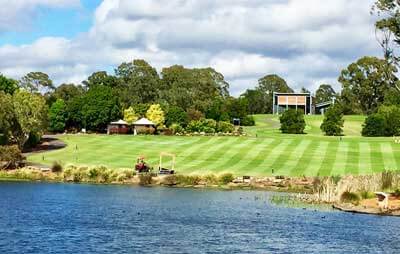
66 218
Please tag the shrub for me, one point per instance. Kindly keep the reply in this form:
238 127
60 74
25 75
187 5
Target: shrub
78 174
374 126
367 195
225 127
33 140
292 122
145 179
226 178
333 121
177 128
248 121
176 115
349 197
169 180
10 157
194 115
188 180
211 179
56 167
204 125
391 114
387 180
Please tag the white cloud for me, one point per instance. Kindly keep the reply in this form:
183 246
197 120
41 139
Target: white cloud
18 14
305 41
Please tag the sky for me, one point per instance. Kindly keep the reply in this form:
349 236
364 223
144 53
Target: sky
307 42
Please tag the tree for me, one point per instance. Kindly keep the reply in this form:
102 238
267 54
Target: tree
58 116
257 101
304 90
374 126
391 114
67 92
192 88
130 115
333 121
101 78
156 115
8 85
324 93
6 117
176 115
37 82
140 82
292 122
365 82
31 116
270 84
99 107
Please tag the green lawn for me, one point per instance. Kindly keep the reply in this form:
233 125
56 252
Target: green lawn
257 155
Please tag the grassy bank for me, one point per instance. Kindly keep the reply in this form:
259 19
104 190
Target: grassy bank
265 152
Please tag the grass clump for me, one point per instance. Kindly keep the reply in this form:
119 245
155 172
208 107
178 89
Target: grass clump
226 178
145 179
349 197
56 167
191 180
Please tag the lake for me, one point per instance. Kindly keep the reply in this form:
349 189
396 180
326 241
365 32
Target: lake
69 218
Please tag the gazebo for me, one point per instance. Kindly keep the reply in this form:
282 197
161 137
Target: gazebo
118 127
144 125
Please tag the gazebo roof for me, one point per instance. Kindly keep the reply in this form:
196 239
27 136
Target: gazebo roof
143 121
120 121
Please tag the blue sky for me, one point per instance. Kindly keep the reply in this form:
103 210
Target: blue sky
47 21
307 42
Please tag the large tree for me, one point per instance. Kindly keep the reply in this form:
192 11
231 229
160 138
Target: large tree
30 112
270 84
257 101
324 93
8 85
98 107
37 82
140 82
101 78
365 82
193 88
6 116
58 116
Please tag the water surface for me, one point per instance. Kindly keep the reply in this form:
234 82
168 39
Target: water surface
68 218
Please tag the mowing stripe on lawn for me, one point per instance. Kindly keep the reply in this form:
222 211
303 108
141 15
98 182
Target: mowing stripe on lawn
241 153
262 156
396 152
250 156
193 152
274 156
364 163
341 160
209 157
294 157
284 157
305 160
377 163
388 159
352 159
329 159
317 159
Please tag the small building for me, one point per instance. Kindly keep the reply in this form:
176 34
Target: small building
299 101
144 125
119 127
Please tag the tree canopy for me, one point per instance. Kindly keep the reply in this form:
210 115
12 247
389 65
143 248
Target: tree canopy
324 93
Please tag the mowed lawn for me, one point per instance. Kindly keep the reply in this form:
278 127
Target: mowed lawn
263 152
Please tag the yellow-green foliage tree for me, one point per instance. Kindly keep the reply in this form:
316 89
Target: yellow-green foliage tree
130 115
156 115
